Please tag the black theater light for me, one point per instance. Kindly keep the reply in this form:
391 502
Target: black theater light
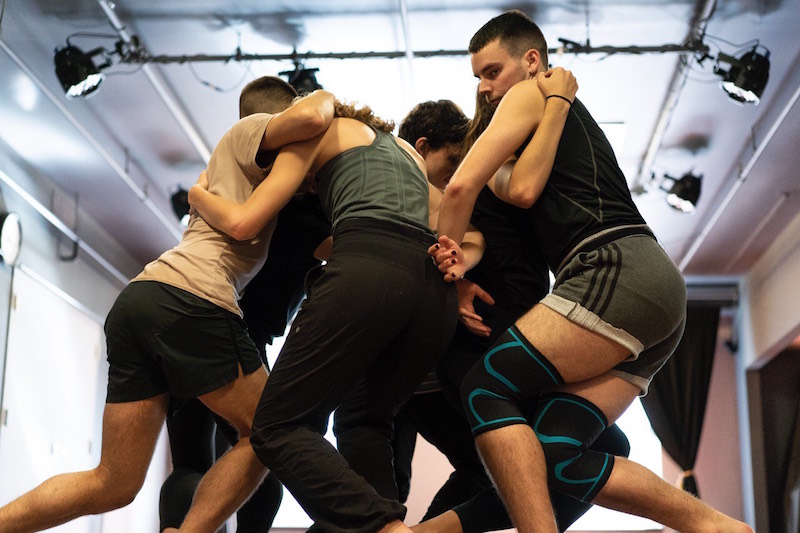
180 204
685 192
302 79
77 72
747 76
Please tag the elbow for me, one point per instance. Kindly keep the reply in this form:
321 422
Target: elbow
310 123
315 121
522 200
456 190
241 231
523 197
242 235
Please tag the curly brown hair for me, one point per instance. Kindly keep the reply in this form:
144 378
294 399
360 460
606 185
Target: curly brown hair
363 114
441 122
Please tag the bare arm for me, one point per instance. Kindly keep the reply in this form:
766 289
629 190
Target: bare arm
467 255
523 185
516 117
306 118
245 221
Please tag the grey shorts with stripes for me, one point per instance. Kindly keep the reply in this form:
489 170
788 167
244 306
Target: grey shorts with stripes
627 290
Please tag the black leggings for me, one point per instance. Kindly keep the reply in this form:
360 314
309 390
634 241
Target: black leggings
197 437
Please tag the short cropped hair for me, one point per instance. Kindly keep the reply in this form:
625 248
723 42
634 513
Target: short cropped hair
442 122
517 33
268 94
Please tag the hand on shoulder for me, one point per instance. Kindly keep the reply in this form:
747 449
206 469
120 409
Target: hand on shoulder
557 82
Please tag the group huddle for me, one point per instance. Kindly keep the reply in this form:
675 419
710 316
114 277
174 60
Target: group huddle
419 269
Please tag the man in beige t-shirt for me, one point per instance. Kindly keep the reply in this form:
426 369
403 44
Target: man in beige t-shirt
176 330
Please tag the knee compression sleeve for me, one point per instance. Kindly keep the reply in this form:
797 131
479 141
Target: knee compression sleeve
566 426
511 371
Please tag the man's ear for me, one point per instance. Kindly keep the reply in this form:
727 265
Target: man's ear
422 147
533 58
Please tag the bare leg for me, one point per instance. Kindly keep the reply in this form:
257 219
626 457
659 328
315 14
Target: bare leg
224 488
634 489
237 474
130 432
514 459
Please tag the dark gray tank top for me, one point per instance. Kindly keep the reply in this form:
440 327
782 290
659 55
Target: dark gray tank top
379 181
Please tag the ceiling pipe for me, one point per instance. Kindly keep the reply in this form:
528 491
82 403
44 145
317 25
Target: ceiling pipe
740 178
167 96
764 221
409 53
168 222
406 30
676 85
63 228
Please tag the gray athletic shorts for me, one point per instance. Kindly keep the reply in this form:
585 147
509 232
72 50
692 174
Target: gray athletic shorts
627 290
164 339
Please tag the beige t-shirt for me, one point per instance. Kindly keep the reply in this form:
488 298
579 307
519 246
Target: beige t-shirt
207 262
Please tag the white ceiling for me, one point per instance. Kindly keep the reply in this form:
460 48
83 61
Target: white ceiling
150 128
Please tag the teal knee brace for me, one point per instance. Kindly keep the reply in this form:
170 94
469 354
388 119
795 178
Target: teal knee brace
512 371
566 426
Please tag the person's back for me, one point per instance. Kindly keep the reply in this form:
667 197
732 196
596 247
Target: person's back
365 172
207 263
586 193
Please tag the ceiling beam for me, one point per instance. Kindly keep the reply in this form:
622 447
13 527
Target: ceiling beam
696 31
169 223
166 95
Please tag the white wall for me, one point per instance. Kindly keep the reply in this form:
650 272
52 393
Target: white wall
90 289
773 289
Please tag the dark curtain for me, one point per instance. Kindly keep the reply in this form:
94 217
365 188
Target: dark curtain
791 493
676 401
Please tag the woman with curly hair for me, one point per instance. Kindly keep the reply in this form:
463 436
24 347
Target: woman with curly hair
380 313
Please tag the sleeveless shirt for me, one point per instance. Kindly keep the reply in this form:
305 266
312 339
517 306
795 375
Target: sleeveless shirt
586 192
379 181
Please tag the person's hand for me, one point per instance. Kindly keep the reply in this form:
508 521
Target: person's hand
202 182
467 291
449 258
559 83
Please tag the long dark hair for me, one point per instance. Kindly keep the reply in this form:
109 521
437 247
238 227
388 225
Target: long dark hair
484 112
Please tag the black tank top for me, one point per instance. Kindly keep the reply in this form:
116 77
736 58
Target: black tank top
586 192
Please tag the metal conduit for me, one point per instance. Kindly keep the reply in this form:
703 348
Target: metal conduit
121 172
166 95
743 173
63 228
671 100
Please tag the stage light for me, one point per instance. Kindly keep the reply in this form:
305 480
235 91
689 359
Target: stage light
76 71
180 204
685 192
302 79
747 76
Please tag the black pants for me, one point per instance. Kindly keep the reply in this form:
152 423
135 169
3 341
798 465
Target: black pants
381 315
197 437
433 417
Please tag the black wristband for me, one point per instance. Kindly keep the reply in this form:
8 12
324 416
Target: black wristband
549 96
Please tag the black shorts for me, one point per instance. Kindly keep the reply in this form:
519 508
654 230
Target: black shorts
164 339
